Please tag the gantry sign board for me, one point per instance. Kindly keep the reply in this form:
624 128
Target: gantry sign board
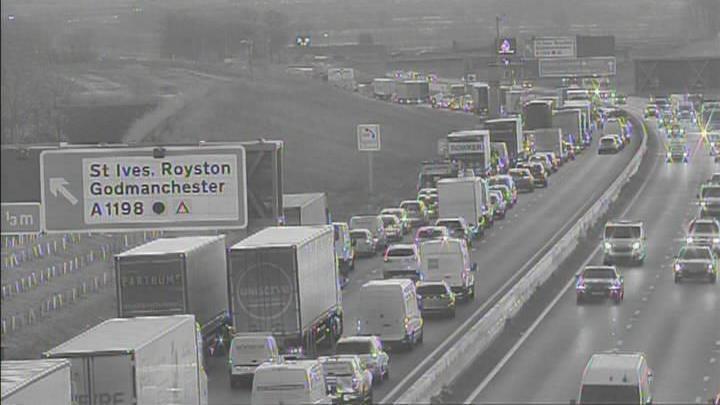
368 137
580 67
20 218
554 47
148 188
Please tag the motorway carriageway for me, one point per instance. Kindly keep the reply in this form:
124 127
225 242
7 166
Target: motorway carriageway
676 325
505 252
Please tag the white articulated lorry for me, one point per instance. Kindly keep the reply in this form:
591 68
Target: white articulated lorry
305 209
36 382
468 198
144 361
570 122
549 140
285 281
172 276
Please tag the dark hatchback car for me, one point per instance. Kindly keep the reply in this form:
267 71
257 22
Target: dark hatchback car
600 282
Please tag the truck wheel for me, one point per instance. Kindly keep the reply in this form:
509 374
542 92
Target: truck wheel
352 263
677 279
420 339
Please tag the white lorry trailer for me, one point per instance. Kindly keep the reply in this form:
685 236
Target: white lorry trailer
510 132
471 149
285 281
549 140
172 276
570 122
413 92
587 117
36 382
305 209
468 198
481 98
144 361
383 88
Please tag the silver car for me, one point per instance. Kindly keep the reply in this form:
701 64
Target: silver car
704 232
624 241
436 297
370 351
363 242
346 379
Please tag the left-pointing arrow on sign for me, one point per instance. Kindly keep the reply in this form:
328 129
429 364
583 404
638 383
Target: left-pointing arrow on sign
57 185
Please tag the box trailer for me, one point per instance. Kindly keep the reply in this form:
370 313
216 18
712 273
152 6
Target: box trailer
143 361
549 140
36 382
510 132
413 92
383 88
471 149
587 117
172 276
481 98
305 209
570 122
537 114
285 281
465 197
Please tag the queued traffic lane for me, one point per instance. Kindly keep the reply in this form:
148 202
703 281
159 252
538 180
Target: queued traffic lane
505 249
676 326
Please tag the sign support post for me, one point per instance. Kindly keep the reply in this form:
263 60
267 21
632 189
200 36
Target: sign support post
368 138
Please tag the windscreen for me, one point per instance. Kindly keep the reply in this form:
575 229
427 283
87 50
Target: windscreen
622 232
363 222
691 253
430 233
433 289
711 192
703 227
387 220
400 252
607 141
358 235
610 394
339 368
450 224
411 207
353 348
599 273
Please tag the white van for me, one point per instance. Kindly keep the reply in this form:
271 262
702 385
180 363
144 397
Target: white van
293 382
616 378
372 223
390 311
449 260
247 352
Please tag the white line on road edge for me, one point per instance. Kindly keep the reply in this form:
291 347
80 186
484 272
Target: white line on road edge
473 396
457 357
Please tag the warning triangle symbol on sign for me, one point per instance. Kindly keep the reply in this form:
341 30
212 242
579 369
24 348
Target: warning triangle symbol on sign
182 208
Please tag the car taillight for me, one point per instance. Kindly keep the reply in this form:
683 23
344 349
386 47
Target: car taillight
580 284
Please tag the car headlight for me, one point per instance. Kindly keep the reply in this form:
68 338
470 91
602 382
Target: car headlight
689 239
716 240
710 267
669 155
608 246
636 246
678 267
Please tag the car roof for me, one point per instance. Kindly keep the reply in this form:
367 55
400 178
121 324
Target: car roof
449 219
402 246
431 282
703 220
366 338
624 222
592 267
613 368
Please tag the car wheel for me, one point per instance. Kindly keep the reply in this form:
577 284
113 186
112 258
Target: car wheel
579 300
352 263
677 279
451 312
420 339
713 278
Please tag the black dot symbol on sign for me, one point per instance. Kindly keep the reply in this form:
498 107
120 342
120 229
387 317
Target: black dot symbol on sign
158 207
